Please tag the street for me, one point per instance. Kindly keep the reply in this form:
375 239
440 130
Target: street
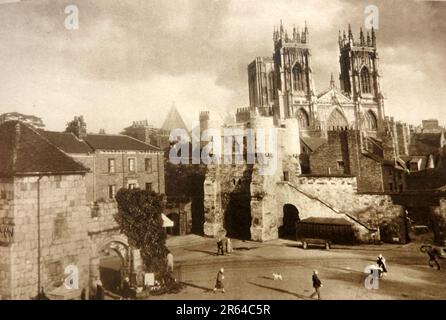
248 271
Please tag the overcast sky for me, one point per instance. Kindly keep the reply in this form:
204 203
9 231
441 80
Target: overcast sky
130 59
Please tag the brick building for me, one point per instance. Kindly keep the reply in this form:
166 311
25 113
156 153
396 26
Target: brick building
115 161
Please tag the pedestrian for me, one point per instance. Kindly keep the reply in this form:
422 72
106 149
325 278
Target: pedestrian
381 262
126 289
219 282
433 253
100 294
317 284
228 246
220 247
170 262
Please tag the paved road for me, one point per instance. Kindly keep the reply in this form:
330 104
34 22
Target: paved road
248 271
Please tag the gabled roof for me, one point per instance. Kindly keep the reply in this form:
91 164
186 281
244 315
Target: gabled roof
313 143
67 142
425 143
173 120
333 95
117 142
23 151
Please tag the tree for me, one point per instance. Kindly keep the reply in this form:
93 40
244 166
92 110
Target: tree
34 121
139 218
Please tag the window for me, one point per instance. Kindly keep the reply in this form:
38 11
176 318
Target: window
302 118
111 165
132 186
371 123
148 165
286 176
148 186
271 94
391 186
340 164
132 167
298 78
365 81
111 191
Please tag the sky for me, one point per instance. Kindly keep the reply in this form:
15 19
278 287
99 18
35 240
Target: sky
130 60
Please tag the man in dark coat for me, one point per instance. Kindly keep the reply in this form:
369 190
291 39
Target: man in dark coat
381 262
317 284
433 254
219 282
220 249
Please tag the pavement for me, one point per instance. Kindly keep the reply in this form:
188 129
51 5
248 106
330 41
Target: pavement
249 269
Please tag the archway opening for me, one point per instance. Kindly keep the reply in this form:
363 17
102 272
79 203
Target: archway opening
238 216
290 219
112 266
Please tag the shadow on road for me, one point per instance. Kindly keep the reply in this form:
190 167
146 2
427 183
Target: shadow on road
281 290
211 253
197 286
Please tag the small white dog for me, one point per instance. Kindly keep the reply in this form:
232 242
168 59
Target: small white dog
277 276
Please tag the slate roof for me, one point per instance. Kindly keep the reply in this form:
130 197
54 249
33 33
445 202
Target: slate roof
67 142
23 151
425 143
117 142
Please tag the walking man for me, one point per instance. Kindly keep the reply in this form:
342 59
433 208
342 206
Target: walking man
219 282
317 284
220 250
433 253
381 262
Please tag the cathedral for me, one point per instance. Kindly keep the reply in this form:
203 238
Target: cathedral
338 155
282 86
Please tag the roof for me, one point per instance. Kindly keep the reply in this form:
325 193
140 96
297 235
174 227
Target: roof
23 151
67 142
117 142
425 143
320 220
313 143
333 95
173 120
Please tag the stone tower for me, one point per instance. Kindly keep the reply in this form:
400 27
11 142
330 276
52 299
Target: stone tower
292 62
360 79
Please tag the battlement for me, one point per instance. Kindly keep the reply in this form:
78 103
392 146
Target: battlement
141 124
204 115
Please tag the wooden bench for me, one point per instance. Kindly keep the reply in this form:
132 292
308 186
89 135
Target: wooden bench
316 242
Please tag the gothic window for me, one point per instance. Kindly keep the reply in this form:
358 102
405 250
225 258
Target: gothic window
302 118
298 78
365 81
336 120
271 94
264 89
370 121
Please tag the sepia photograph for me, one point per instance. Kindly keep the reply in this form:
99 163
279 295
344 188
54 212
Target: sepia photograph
224 150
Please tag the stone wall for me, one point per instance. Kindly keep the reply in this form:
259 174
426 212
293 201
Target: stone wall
63 236
438 222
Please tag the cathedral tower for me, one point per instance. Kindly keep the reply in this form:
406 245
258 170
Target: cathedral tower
360 78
